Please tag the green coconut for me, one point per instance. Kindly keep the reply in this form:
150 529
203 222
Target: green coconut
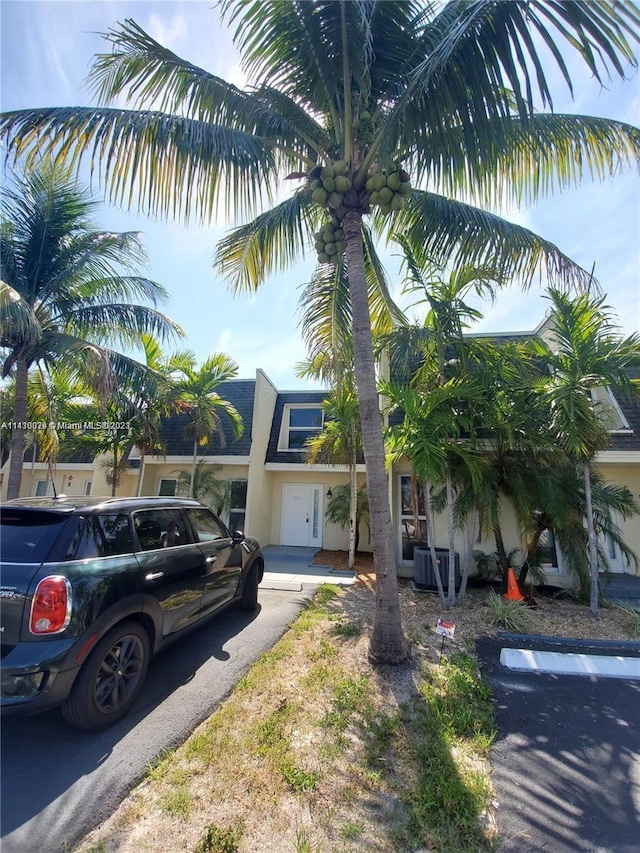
397 202
385 208
393 181
371 183
404 189
334 200
323 257
319 196
339 234
340 167
341 184
327 172
329 184
381 181
330 249
374 197
385 195
340 247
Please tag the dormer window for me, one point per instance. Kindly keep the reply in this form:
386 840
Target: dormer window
610 413
299 422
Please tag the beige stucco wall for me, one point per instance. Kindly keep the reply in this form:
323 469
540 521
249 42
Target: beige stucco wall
626 474
334 537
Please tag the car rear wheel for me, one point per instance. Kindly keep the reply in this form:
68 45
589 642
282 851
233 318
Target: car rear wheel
249 600
110 680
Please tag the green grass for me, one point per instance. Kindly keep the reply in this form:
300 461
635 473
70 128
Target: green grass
454 717
220 839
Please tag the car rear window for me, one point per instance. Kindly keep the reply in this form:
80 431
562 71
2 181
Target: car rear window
27 537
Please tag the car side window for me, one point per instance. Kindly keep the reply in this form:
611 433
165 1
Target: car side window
102 536
161 528
207 526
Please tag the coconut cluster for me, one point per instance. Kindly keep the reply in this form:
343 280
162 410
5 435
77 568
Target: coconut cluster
329 187
330 242
388 190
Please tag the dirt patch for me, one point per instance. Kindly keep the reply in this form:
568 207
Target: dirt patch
553 616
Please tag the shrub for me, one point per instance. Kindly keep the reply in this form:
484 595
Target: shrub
512 615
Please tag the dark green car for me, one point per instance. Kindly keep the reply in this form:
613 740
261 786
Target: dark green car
91 588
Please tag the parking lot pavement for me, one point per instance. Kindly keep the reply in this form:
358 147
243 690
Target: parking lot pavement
566 759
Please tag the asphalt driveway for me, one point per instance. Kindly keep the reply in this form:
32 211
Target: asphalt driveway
566 761
58 783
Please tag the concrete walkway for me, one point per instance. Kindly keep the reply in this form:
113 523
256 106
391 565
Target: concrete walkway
291 568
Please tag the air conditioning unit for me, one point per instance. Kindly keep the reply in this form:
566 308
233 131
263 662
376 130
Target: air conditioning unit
423 573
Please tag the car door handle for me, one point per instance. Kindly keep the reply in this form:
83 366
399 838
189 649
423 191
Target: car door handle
211 559
153 576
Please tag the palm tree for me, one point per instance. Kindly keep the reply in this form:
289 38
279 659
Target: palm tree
196 395
63 298
155 400
587 353
207 488
358 99
340 443
340 510
429 435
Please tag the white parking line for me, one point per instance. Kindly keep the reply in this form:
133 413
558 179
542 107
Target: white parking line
559 663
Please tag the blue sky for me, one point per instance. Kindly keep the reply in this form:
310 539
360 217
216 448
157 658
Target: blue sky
46 50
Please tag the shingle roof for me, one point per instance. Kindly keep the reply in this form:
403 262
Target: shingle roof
239 392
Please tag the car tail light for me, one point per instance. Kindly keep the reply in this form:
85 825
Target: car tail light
51 606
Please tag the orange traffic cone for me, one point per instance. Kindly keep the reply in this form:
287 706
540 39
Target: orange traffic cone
513 590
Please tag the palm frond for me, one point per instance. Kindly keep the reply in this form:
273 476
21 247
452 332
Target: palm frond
522 161
18 322
172 165
150 74
483 58
457 233
270 242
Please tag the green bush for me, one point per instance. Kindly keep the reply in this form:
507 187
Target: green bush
508 614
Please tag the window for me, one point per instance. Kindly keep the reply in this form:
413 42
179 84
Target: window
409 534
161 528
87 487
547 551
102 536
41 488
301 423
167 488
238 505
207 525
27 537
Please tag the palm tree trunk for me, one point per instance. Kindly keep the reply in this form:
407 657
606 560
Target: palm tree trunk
451 593
432 544
469 561
593 553
18 436
353 512
114 482
503 560
388 643
193 467
143 453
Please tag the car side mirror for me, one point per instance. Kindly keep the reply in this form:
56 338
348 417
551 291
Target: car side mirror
237 537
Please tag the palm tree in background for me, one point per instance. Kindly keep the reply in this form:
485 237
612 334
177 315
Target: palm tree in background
587 353
340 443
156 400
397 113
196 395
63 296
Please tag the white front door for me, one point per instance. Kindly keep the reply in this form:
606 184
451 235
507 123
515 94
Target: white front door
301 515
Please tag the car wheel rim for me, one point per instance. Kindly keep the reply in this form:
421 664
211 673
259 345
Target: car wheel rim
119 674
